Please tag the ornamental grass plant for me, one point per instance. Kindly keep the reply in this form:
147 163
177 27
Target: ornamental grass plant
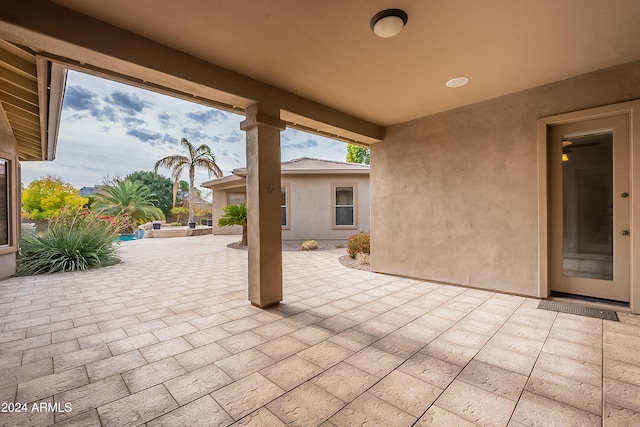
77 239
309 245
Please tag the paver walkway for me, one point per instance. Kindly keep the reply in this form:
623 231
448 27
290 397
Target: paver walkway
167 338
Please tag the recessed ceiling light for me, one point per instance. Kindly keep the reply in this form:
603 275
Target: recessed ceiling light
457 82
388 23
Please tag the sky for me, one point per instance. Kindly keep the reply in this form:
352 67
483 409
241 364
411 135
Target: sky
108 129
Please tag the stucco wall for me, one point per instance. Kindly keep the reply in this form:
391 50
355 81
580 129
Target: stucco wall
454 195
220 202
8 252
311 206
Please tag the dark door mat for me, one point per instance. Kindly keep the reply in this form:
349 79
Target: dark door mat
580 310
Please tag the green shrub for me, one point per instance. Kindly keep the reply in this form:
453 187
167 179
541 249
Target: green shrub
76 240
358 243
203 221
309 245
235 215
178 212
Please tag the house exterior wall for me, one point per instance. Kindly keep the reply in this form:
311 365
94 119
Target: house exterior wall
219 203
8 252
311 205
455 194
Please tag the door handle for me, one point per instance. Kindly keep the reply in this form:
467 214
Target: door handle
624 232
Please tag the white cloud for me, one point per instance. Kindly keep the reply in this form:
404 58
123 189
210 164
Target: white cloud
111 129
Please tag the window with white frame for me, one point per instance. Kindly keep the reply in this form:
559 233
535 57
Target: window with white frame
284 205
235 199
344 206
4 202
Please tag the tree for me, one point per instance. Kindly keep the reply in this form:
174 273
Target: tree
159 185
178 211
235 215
44 197
127 197
357 154
183 186
195 158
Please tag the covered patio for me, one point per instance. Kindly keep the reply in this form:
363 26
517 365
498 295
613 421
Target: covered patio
170 340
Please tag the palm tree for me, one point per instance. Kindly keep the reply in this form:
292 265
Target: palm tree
196 158
127 197
235 215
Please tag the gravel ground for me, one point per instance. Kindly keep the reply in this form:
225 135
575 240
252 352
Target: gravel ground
289 246
345 260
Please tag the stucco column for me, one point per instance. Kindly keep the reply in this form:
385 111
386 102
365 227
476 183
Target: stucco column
263 127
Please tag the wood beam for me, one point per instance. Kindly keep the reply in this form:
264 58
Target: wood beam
19 51
10 100
42 65
19 93
19 65
18 116
35 133
24 136
16 79
27 157
27 149
5 124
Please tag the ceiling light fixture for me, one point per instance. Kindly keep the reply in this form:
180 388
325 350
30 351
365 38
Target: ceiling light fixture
457 82
388 23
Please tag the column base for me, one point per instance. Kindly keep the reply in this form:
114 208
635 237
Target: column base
273 304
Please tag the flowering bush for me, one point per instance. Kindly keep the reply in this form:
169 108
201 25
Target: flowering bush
77 239
82 218
358 243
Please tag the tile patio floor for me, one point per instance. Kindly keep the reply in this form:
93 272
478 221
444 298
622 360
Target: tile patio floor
167 338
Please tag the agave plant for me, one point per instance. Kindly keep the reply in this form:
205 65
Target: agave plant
77 239
128 198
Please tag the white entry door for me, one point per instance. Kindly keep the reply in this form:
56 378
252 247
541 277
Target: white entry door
590 208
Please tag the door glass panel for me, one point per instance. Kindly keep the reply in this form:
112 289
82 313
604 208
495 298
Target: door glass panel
587 206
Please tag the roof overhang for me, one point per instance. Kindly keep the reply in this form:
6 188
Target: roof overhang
237 178
229 180
326 67
87 44
332 171
31 91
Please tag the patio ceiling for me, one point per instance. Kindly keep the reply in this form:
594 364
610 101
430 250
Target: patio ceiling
26 82
19 99
319 61
324 50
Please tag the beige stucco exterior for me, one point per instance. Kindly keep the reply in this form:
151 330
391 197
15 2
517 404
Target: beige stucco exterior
311 206
472 207
219 203
310 185
8 252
